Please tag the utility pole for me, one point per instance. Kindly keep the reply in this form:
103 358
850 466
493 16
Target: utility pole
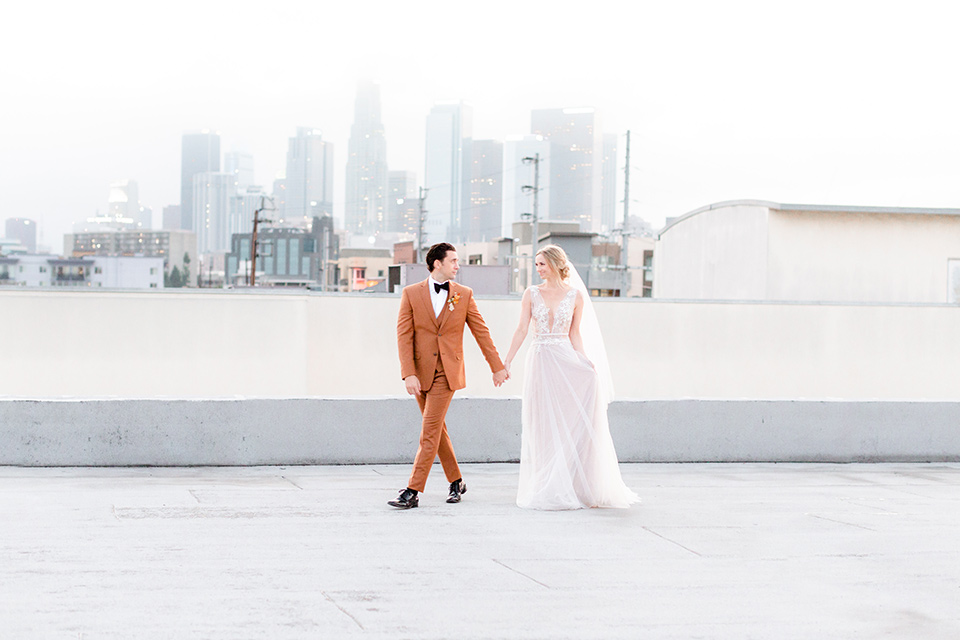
535 230
625 236
420 223
253 239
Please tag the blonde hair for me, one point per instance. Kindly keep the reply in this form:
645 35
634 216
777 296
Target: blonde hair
557 259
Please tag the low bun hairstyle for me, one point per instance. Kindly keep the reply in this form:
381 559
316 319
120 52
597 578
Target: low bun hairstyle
557 259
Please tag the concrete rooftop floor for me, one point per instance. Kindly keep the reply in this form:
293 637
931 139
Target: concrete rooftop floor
713 551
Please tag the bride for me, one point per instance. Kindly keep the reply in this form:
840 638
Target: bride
567 459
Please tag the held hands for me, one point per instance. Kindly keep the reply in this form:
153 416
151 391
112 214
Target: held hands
500 377
413 385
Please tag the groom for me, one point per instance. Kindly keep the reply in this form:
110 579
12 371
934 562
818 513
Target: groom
430 340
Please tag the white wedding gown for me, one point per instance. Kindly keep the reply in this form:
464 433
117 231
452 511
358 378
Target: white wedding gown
567 458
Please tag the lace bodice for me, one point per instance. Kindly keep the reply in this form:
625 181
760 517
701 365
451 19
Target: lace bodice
562 316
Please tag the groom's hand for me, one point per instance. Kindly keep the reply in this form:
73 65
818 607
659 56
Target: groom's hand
500 377
413 385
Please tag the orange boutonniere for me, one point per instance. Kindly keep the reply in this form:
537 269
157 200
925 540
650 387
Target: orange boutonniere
454 299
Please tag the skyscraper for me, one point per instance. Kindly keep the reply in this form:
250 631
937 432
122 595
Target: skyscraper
518 174
200 153
212 195
365 207
23 230
171 217
309 181
483 217
403 208
447 176
240 166
576 156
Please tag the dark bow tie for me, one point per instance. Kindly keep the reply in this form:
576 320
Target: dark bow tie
437 286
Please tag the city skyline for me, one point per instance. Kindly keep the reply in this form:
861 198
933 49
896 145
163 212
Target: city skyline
836 103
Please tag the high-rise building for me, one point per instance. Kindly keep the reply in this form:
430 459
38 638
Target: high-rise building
200 153
447 176
280 195
482 219
365 207
576 157
213 192
240 166
518 174
608 187
171 218
309 181
24 231
243 203
403 207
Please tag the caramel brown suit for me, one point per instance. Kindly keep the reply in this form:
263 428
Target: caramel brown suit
431 348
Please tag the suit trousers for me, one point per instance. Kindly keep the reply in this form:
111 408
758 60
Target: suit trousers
434 439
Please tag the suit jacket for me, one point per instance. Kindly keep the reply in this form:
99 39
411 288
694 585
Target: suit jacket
423 338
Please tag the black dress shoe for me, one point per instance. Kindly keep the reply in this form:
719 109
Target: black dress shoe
408 500
457 488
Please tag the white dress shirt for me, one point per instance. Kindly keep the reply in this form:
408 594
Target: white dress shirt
437 298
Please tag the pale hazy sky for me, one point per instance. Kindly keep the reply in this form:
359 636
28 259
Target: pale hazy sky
839 102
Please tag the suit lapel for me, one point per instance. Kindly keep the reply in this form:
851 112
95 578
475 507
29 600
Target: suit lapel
427 303
446 313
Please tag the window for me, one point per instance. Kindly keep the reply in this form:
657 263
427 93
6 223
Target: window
153 285
98 269
153 271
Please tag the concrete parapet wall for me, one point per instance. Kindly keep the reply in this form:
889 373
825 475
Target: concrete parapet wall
385 430
227 344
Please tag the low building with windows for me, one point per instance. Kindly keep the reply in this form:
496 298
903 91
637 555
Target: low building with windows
169 245
287 256
107 272
758 250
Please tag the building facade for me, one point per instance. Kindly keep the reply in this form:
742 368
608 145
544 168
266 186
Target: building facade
449 136
107 272
287 256
482 219
308 186
200 153
758 250
576 163
240 166
403 202
518 173
176 248
365 205
213 196
23 230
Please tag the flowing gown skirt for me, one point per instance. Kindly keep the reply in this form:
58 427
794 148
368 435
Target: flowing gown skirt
567 458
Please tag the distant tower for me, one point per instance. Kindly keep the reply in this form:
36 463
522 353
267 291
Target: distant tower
403 207
517 174
200 154
171 217
24 231
576 163
365 207
240 166
309 182
212 195
482 219
447 176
